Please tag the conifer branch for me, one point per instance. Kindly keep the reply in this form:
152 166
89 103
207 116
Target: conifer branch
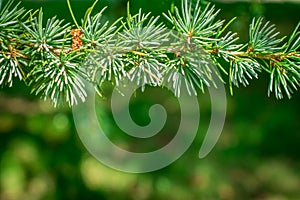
53 57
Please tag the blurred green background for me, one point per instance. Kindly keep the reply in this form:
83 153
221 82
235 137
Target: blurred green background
257 156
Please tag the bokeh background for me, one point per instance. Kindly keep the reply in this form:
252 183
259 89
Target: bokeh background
257 156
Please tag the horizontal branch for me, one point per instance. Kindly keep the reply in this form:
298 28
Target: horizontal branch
53 58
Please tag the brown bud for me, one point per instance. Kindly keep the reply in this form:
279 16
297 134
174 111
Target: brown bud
76 41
